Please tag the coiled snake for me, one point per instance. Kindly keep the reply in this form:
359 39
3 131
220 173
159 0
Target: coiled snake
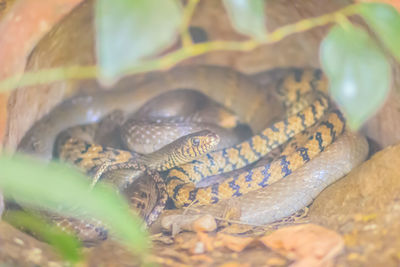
77 146
237 92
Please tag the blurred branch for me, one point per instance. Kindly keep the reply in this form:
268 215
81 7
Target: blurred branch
186 51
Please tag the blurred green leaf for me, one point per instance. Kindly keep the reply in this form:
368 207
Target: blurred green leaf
128 31
358 72
68 246
384 19
58 188
248 17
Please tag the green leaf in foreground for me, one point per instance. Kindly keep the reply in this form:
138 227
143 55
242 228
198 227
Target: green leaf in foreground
128 31
248 17
57 187
68 246
384 19
358 72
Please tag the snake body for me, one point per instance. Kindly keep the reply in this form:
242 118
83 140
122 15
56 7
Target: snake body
185 192
89 155
184 105
180 180
287 196
77 146
174 114
294 87
147 136
226 86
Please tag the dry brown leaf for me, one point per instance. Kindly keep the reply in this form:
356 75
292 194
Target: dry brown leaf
205 223
185 240
234 243
309 244
202 257
168 262
198 243
234 264
275 261
174 255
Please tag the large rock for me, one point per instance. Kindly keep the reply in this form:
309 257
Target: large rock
365 208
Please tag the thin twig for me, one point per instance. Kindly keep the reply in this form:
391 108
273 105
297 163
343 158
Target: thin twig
85 72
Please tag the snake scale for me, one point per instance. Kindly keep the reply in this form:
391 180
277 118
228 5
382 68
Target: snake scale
287 196
77 146
296 85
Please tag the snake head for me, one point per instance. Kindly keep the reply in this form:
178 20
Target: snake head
196 144
183 150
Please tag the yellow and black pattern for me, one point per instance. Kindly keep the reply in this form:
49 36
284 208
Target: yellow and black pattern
183 150
300 83
76 146
89 156
247 152
185 193
294 87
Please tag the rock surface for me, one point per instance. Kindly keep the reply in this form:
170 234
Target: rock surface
365 208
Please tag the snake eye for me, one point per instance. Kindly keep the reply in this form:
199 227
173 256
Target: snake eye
196 141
